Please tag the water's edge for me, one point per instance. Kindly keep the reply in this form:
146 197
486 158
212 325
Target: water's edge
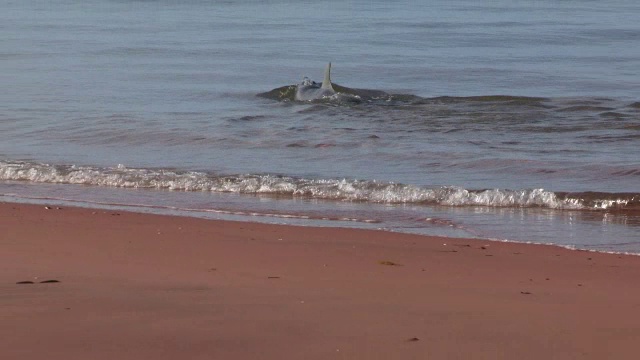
272 219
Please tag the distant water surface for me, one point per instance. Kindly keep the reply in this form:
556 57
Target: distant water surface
515 120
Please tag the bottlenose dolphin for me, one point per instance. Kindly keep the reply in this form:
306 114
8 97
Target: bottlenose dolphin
311 90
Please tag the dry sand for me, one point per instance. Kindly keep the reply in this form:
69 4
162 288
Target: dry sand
139 286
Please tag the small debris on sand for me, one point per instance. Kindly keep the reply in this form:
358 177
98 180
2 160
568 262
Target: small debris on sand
388 263
24 282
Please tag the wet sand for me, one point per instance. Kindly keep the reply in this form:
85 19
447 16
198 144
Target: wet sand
139 286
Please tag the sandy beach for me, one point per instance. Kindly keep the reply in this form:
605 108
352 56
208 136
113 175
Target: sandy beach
97 284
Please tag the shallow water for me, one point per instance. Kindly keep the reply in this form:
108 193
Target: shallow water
154 104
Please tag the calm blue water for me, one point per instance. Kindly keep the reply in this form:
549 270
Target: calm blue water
153 104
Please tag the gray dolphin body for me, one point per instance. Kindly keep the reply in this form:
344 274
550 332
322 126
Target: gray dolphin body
310 90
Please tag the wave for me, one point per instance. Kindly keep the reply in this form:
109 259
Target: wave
324 189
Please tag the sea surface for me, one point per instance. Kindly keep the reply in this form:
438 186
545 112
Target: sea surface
508 120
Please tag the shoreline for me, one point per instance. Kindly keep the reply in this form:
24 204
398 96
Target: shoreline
301 220
134 285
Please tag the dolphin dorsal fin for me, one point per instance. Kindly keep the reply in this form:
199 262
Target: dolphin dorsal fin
326 83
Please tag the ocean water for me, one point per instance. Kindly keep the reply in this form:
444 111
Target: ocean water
509 120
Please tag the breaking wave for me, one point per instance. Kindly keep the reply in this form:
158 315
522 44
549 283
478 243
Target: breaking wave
326 189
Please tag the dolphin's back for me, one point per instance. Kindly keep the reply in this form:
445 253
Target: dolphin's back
309 91
314 91
306 93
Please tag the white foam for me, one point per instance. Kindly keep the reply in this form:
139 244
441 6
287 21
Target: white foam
330 189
